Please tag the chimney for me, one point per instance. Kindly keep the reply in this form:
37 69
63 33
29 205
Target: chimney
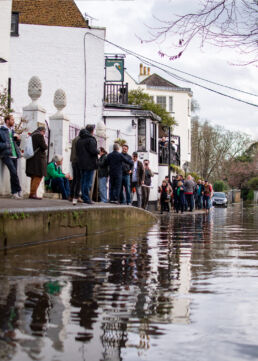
141 69
144 73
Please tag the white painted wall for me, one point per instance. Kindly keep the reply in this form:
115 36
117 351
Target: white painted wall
5 28
56 55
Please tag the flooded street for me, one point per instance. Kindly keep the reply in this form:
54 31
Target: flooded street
186 289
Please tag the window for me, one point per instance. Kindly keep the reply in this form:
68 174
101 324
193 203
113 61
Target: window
15 24
141 134
170 104
161 100
189 106
153 137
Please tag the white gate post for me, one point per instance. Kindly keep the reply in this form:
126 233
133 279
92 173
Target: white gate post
59 131
35 116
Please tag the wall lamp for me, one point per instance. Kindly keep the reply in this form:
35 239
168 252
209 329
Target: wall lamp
134 123
3 60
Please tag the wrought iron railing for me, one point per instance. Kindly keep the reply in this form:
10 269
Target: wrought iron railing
116 93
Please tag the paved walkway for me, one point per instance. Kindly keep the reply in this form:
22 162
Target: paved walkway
29 205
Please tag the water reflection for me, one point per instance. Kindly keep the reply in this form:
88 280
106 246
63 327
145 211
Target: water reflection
136 294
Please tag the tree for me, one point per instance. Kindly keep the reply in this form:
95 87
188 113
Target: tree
253 183
239 172
138 97
213 147
223 23
4 104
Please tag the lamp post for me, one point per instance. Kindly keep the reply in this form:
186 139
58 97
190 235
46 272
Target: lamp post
169 152
185 167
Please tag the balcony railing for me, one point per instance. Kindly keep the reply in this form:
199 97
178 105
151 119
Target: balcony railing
164 155
116 93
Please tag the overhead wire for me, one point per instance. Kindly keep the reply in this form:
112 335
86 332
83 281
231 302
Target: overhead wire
154 63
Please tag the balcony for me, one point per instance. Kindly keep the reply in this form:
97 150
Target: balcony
116 93
164 155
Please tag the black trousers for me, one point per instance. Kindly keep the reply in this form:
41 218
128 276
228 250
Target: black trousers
115 187
11 164
76 182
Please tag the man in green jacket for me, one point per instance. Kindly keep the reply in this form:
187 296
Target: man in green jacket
56 180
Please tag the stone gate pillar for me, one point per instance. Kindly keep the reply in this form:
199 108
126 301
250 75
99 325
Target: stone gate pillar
59 131
35 116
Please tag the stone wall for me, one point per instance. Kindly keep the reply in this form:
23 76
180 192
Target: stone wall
26 227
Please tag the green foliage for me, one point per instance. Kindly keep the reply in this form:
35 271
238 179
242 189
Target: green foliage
138 97
120 141
195 176
253 183
4 99
250 195
177 169
219 186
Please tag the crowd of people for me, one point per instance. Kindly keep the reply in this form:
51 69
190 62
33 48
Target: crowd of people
120 175
185 194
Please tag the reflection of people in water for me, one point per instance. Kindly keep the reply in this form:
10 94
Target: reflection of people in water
9 318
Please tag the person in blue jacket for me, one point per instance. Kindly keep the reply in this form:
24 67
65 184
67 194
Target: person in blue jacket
10 153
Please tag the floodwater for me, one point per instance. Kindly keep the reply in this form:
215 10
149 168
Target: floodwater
186 289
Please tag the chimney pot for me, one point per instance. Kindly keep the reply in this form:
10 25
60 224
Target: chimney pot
141 69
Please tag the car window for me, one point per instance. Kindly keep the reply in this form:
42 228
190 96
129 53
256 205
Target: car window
219 195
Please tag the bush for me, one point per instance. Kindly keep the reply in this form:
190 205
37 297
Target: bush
219 186
253 184
250 195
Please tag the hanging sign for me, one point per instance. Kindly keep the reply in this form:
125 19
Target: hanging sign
114 69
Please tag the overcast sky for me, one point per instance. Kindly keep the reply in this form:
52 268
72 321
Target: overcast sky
127 20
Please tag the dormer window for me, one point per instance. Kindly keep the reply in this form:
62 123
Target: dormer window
15 24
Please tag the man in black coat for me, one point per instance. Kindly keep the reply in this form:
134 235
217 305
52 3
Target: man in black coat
87 155
115 161
36 166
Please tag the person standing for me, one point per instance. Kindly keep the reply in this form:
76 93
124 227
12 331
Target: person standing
189 185
174 187
76 182
87 155
199 194
36 166
115 161
148 174
103 174
137 179
164 197
207 195
127 170
10 153
56 180
180 193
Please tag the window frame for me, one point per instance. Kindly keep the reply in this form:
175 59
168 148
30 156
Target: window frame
163 105
171 104
141 138
15 32
153 137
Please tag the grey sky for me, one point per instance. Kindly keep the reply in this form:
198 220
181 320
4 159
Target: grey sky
125 20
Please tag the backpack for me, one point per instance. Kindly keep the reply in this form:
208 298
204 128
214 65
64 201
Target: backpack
28 149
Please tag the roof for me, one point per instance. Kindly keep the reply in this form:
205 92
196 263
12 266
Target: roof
49 12
156 80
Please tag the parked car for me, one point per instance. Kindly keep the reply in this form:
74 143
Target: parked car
219 199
